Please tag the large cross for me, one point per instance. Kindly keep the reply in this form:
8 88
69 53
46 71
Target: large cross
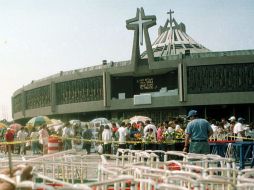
170 17
140 23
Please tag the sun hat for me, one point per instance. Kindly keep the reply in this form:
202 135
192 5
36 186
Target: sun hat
232 118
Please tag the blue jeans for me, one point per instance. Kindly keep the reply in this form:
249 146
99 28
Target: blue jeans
23 148
35 147
67 144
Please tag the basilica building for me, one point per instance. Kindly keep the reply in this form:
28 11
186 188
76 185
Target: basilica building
173 75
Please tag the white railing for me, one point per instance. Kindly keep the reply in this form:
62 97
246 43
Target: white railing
134 169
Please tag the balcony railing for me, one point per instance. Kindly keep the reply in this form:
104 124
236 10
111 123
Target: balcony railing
92 68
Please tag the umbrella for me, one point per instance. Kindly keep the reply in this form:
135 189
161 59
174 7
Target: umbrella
55 125
15 126
39 120
58 127
54 122
101 121
137 118
3 126
126 121
30 127
2 129
75 121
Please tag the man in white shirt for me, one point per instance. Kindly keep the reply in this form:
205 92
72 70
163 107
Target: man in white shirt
239 129
148 126
214 126
122 133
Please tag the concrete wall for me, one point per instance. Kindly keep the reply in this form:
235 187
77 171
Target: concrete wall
153 68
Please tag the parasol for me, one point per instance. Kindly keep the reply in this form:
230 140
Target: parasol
55 122
3 126
39 120
75 122
138 118
101 121
2 129
15 126
126 121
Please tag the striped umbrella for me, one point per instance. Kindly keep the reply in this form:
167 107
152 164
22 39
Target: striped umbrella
39 120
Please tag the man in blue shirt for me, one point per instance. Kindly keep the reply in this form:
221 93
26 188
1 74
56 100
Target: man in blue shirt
198 131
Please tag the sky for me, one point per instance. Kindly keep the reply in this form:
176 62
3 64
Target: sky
43 37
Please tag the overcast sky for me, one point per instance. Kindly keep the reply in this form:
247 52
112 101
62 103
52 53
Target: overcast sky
39 38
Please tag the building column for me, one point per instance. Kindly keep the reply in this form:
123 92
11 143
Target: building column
23 102
106 89
12 107
182 79
53 96
249 113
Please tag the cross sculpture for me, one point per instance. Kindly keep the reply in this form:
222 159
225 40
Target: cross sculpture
140 21
140 25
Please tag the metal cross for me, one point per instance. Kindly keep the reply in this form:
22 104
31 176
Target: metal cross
170 17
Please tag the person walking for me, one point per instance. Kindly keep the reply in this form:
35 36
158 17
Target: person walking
198 131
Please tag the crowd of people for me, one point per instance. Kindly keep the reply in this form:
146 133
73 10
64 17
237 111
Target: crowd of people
176 133
20 140
197 131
